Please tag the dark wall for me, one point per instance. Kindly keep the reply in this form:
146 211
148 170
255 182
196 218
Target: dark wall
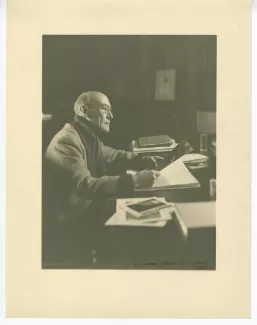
124 68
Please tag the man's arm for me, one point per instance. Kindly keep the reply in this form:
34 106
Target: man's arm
66 155
118 160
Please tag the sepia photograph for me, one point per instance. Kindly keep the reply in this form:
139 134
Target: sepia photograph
129 152
113 114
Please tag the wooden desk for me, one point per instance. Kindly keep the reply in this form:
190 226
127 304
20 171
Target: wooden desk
116 247
158 248
153 248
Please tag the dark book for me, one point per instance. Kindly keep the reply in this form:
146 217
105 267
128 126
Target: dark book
154 141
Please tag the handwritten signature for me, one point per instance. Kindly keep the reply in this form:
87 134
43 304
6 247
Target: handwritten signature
175 262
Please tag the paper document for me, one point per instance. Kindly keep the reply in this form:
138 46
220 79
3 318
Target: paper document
120 220
175 175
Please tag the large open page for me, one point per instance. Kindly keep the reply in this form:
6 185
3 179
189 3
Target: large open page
175 175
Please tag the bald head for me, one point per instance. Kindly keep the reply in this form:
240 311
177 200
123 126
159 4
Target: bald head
89 99
95 107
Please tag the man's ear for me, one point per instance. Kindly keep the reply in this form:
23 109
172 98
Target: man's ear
83 110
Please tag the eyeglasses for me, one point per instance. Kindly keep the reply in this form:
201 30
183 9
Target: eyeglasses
108 110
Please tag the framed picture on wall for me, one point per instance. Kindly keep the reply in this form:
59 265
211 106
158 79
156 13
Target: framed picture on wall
165 84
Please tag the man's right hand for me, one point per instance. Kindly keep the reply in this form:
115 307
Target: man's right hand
145 178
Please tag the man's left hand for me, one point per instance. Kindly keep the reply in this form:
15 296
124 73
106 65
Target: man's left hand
151 162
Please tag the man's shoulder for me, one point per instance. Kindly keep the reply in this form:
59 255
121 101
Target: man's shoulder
68 133
66 136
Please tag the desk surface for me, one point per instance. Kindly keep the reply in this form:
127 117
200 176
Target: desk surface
152 248
118 247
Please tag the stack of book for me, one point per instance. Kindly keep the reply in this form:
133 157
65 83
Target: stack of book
157 143
143 212
195 160
191 218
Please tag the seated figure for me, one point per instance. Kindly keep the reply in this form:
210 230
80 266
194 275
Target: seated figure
81 172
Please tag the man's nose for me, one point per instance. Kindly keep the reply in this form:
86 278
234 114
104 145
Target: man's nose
110 115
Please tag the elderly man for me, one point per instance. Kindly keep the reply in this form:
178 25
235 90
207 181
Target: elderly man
84 167
81 173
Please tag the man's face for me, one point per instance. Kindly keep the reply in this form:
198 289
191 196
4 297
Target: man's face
99 113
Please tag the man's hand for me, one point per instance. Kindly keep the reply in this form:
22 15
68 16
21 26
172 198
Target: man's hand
151 162
145 178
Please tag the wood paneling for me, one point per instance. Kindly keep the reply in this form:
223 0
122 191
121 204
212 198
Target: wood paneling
124 68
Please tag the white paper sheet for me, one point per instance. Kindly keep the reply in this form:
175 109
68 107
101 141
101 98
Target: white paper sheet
175 175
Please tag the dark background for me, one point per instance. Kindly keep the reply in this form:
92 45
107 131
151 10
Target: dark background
124 68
